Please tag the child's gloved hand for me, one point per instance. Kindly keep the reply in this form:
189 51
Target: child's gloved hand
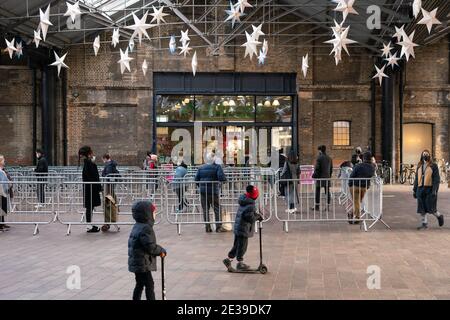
259 218
163 253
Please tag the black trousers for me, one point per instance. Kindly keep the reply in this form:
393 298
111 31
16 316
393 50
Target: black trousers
326 186
4 207
40 190
89 214
182 202
239 248
144 279
210 200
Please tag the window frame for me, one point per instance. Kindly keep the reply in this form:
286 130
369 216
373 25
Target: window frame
349 133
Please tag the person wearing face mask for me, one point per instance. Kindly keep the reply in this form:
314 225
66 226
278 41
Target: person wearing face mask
91 191
426 186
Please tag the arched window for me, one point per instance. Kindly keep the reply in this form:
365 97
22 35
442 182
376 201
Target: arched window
341 133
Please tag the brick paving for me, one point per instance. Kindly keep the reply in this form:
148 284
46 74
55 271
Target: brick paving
312 261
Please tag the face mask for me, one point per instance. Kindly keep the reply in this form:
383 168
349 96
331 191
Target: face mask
93 158
426 158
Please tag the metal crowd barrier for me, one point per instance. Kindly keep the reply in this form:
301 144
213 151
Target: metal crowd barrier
330 200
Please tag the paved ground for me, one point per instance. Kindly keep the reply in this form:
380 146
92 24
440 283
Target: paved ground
312 261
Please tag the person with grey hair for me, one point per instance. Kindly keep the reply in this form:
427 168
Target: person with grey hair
208 177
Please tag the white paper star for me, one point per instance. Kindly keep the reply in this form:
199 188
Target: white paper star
194 63
144 67
380 74
429 18
262 57
242 4
346 7
257 32
96 44
158 15
305 65
234 14
338 28
115 37
172 45
250 46
10 47
124 61
19 51
386 51
417 5
45 21
337 55
73 10
392 60
399 33
131 45
340 41
140 27
408 46
59 62
37 37
184 36
185 49
265 47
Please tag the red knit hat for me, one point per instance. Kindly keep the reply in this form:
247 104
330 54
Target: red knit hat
252 192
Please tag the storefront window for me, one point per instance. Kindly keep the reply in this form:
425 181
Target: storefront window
274 109
174 108
210 108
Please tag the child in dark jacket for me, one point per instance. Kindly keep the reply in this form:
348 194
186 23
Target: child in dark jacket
143 250
243 227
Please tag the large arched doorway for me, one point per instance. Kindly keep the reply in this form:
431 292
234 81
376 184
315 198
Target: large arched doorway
416 137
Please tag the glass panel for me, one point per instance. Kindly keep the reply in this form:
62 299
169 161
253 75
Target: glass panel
165 146
274 109
174 108
240 108
282 138
209 108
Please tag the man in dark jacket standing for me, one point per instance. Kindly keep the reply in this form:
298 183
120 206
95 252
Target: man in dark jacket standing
243 227
323 170
209 176
109 170
41 172
143 250
358 187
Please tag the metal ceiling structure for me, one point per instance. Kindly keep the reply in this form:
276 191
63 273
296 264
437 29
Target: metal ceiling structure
206 19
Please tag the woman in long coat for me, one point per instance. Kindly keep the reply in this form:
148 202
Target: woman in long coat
91 191
426 187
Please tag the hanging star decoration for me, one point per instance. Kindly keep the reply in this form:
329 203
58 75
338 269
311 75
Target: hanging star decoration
144 67
346 7
124 61
73 11
265 46
408 46
158 15
386 51
338 28
305 65
242 4
96 44
399 33
140 27
10 47
131 45
37 37
184 36
380 74
185 49
250 46
45 21
59 62
257 32
115 37
429 19
234 14
339 42
172 45
392 60
19 49
417 5
194 63
262 56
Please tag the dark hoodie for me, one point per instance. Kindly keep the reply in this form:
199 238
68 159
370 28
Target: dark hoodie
245 217
142 247
110 168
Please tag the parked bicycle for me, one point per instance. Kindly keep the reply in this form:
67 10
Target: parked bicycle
443 170
407 173
384 172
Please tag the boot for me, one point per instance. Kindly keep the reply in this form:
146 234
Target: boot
208 228
423 226
441 220
93 229
242 266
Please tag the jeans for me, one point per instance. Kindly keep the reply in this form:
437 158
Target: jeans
210 200
239 248
144 279
182 202
326 186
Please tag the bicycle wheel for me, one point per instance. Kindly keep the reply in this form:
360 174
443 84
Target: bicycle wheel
411 178
386 177
403 177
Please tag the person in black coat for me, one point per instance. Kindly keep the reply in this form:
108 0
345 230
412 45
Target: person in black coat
41 171
143 250
426 187
323 170
243 227
91 191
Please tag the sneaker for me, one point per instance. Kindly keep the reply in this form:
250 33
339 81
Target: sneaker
6 226
227 262
441 220
242 266
220 229
208 228
93 229
423 226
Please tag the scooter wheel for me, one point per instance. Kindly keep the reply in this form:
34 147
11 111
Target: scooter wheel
263 269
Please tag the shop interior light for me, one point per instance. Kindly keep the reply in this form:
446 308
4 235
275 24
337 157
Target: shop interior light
267 103
232 103
226 104
276 103
186 100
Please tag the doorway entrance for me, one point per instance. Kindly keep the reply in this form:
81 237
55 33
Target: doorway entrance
416 138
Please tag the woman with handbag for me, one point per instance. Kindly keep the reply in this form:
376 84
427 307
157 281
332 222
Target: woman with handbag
291 173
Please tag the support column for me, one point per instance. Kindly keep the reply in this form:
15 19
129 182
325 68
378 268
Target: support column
387 115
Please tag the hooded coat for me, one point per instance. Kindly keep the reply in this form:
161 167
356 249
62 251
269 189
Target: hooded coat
245 217
142 247
110 169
